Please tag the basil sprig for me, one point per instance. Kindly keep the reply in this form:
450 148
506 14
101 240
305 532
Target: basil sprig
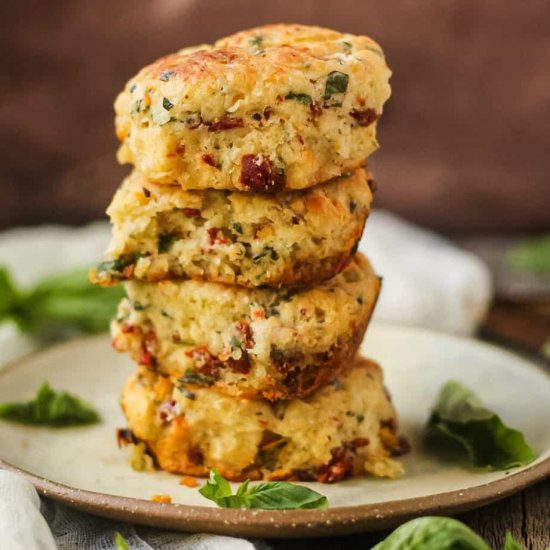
50 408
438 533
67 301
460 419
269 495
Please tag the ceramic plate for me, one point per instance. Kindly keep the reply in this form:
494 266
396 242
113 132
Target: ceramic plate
84 468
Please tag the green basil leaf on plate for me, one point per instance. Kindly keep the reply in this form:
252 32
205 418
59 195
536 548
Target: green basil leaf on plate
50 408
459 419
269 495
433 533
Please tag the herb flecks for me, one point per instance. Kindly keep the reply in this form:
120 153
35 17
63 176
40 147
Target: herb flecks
165 242
337 83
165 76
197 378
118 264
167 104
300 98
257 44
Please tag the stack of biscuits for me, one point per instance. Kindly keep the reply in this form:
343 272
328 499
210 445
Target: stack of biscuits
235 237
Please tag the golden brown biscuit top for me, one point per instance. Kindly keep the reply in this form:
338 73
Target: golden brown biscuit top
257 68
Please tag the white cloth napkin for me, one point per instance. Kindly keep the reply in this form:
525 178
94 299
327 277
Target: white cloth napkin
427 282
24 527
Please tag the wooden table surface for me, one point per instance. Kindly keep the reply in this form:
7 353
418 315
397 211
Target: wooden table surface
526 514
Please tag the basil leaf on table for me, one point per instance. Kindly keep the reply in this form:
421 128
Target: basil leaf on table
67 301
511 544
50 408
269 495
532 255
433 533
460 418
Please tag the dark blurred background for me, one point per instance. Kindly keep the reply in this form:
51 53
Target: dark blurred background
465 138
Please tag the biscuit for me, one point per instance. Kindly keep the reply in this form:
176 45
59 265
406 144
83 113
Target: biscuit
347 428
273 108
293 238
248 342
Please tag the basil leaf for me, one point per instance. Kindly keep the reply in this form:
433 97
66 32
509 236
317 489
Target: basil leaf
433 533
165 76
460 420
300 98
337 83
511 544
165 241
120 542
269 495
63 302
191 376
167 104
532 255
256 44
50 408
9 296
216 487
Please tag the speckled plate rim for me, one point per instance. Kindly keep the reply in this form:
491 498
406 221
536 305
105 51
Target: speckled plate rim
285 523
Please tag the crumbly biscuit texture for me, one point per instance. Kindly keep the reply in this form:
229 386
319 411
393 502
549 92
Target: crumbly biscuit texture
273 108
293 238
248 342
346 428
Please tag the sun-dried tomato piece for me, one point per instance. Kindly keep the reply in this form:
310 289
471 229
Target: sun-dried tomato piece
205 362
208 159
195 455
403 447
259 174
316 109
128 329
225 123
146 358
358 442
339 467
241 365
244 332
216 236
191 212
364 117
125 436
